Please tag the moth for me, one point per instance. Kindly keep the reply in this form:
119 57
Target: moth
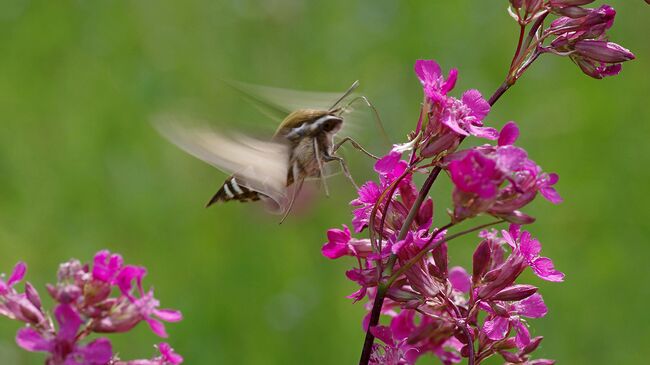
265 169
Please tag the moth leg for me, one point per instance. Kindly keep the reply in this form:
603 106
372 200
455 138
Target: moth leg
320 168
354 144
344 166
293 199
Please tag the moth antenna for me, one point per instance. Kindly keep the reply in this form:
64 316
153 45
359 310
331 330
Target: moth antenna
347 93
293 199
374 112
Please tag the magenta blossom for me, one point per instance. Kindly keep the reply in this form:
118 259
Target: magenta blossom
498 179
107 266
529 248
16 276
505 317
62 346
446 120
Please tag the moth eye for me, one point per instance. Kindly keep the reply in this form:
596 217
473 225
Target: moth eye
330 125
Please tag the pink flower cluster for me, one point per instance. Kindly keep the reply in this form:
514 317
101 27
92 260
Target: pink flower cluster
402 267
434 308
578 32
105 297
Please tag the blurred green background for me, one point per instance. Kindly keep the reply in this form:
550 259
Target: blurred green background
81 168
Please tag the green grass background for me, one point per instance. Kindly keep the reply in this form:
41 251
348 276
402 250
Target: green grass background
81 168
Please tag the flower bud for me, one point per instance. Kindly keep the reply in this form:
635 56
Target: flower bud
516 3
32 295
515 293
510 357
573 12
402 295
532 346
603 51
565 3
480 260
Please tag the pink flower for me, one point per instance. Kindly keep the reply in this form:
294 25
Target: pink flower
498 179
529 248
509 317
16 276
476 174
445 119
62 346
168 355
434 84
340 243
106 266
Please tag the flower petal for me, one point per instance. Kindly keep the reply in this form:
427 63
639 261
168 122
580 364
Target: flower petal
18 274
544 268
168 315
31 340
509 134
460 279
69 321
474 100
496 327
531 307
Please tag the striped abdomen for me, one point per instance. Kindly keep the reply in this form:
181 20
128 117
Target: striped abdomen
232 190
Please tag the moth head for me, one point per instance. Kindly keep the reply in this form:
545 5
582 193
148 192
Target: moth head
328 123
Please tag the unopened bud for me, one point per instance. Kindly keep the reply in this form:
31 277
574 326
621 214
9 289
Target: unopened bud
515 293
480 260
603 51
510 357
532 346
32 295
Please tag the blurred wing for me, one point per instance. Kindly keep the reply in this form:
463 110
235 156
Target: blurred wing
259 165
360 119
277 103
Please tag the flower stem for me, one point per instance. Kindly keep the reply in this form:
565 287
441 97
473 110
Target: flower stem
382 288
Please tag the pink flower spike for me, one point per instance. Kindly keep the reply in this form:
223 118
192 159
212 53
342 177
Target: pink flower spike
168 354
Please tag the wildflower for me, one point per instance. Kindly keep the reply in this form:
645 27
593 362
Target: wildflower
63 347
107 266
498 179
504 317
446 119
528 247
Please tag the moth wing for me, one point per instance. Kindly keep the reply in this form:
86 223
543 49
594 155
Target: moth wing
277 102
259 165
360 119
